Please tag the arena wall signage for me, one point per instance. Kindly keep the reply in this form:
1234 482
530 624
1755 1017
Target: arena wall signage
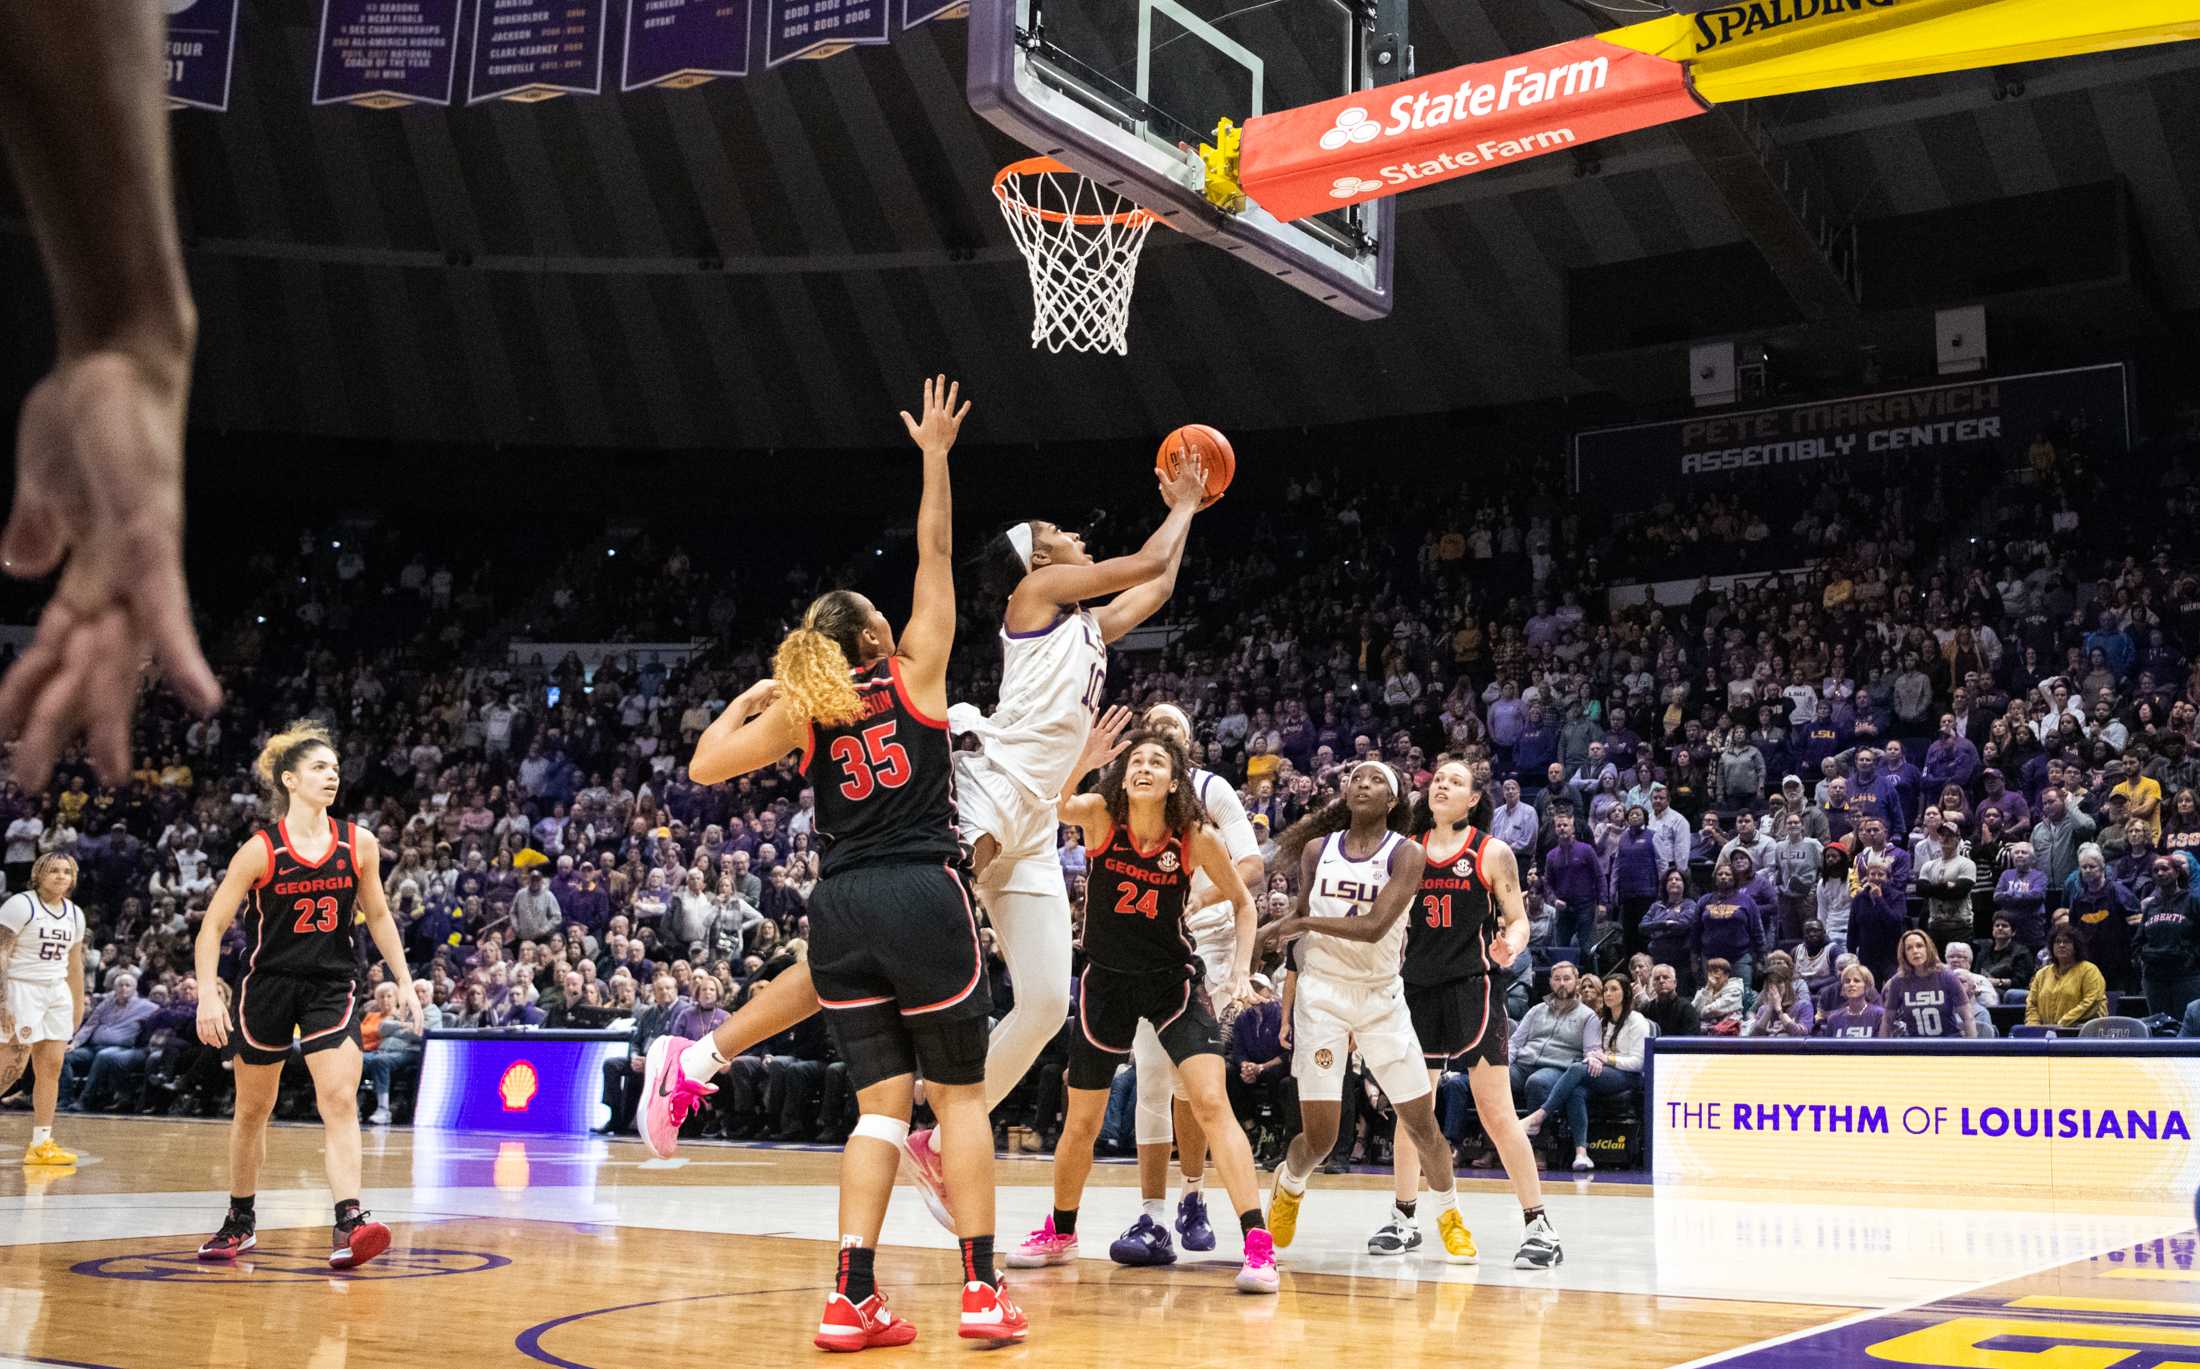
532 53
202 51
1869 1118
1639 463
681 44
1314 158
386 54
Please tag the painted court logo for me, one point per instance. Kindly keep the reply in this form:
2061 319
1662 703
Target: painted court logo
267 1265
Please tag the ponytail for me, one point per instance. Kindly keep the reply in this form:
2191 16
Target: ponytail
813 663
284 752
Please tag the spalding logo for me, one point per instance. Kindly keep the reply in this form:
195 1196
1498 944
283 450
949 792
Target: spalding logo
518 1086
1323 1059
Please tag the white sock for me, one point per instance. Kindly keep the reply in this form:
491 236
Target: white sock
1192 1181
41 1135
1158 1209
1293 1184
701 1060
1446 1201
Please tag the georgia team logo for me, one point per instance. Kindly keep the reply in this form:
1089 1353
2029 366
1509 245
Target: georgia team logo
1168 862
1323 1059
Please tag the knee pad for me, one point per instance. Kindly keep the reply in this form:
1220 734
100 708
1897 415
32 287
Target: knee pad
879 1127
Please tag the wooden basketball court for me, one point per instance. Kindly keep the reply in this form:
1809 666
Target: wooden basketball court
585 1253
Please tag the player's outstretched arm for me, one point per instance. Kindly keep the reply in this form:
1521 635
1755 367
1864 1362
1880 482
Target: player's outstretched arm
246 869
1064 584
930 635
99 451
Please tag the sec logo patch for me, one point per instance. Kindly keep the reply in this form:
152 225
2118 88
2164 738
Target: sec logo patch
1323 1059
1167 862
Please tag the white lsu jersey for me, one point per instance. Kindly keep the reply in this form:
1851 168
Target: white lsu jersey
1344 887
1051 683
43 938
1208 916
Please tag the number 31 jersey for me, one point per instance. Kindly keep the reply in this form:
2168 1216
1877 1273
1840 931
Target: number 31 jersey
885 783
300 916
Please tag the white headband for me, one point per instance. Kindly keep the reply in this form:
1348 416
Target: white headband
1174 714
1390 779
1019 540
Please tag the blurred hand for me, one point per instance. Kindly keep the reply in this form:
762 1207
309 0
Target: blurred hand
1283 1034
99 481
213 1022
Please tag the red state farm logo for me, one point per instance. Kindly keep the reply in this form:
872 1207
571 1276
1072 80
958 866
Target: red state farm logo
518 1087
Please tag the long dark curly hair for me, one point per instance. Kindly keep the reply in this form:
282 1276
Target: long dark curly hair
1181 811
1479 813
1336 815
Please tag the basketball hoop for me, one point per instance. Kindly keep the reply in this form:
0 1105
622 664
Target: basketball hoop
1081 241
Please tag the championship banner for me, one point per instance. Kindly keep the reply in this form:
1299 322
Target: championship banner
1871 1119
822 28
681 44
1746 49
201 52
1638 464
386 54
915 12
1430 129
533 50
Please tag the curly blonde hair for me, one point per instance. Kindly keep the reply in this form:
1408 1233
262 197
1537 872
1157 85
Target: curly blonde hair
286 751
812 664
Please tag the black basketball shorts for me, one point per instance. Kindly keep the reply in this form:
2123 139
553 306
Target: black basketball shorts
1109 1007
1460 1019
894 955
271 1008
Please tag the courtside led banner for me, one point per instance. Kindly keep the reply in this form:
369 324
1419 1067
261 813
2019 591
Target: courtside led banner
1982 1119
1745 49
1317 157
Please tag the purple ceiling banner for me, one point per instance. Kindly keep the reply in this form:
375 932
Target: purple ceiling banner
202 47
915 12
679 44
532 50
386 54
822 28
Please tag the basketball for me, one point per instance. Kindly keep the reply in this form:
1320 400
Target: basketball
1211 446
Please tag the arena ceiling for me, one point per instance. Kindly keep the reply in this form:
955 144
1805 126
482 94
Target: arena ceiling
767 262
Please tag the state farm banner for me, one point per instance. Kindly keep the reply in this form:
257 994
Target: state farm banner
1638 465
1315 158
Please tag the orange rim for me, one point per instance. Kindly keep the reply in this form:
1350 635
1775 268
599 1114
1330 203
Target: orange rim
1048 166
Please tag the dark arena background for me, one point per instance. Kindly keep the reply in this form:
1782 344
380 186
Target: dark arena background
1757 445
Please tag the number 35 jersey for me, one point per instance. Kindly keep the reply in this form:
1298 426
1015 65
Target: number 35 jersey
299 921
885 783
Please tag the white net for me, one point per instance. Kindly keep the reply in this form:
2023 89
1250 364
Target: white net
1081 242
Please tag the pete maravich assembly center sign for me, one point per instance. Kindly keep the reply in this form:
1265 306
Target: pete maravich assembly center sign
2110 1117
1979 416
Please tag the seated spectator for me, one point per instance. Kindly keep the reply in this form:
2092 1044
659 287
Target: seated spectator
1783 1004
1548 1040
1666 1009
1982 993
1719 1002
1925 999
622 1077
1612 1046
2008 963
388 1046
118 1021
1817 959
1260 1068
2068 991
1857 1016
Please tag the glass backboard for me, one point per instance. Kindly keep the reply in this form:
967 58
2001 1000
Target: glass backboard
1124 91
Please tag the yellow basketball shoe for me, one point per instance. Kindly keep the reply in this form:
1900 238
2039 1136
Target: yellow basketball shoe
1458 1241
47 1153
1283 1214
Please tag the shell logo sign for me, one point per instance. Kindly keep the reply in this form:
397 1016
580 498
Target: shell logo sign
518 1087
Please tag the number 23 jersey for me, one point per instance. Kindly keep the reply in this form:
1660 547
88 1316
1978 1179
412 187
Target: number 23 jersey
885 783
301 912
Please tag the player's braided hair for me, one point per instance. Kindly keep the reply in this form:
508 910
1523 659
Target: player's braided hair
283 754
1336 815
1181 811
813 662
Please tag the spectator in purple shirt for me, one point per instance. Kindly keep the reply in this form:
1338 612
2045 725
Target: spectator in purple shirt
1635 874
1952 759
1857 1017
1878 914
2016 813
1537 745
117 1022
1873 794
2021 896
700 1015
1574 879
1669 930
1729 925
1925 998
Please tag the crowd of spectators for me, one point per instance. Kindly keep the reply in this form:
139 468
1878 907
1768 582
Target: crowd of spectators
1966 713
